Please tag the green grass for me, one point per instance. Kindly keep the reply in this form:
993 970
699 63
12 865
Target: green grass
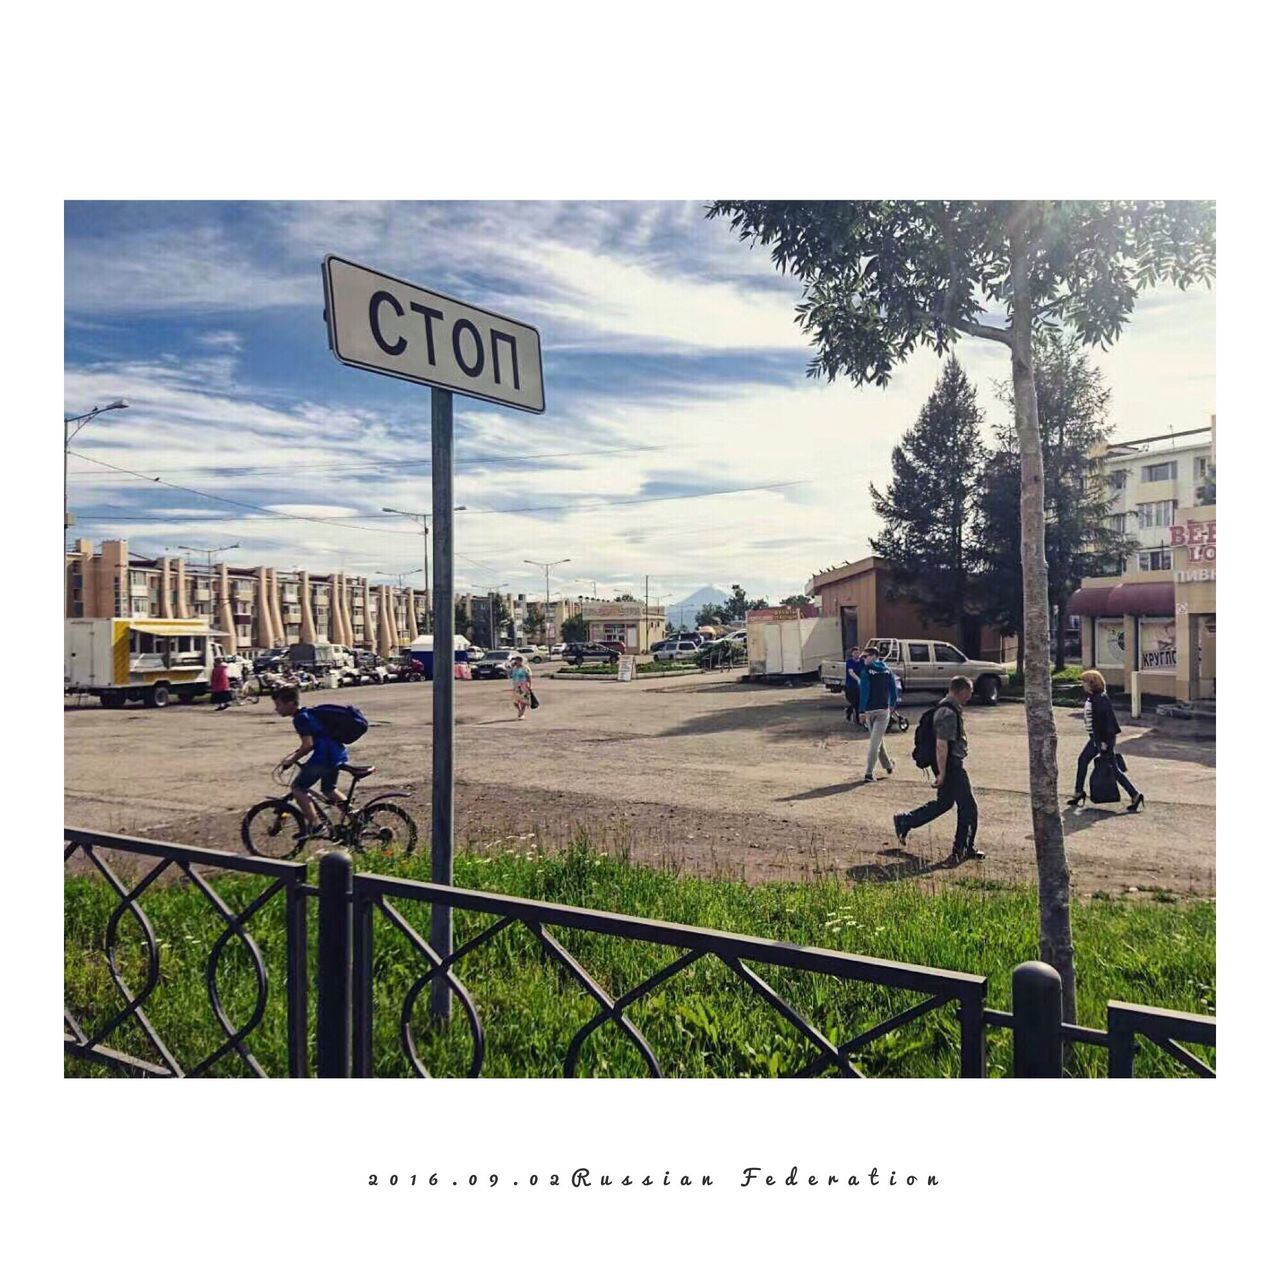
703 1022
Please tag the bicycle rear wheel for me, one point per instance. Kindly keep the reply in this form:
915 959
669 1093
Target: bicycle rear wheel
388 829
274 829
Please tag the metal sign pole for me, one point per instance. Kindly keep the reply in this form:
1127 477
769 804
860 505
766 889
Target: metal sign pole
442 683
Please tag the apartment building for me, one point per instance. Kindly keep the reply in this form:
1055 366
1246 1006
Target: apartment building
1152 624
253 608
262 606
1151 481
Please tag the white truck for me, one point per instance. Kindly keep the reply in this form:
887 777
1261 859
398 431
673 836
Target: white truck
147 660
927 666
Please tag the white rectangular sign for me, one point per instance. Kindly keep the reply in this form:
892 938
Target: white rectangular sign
386 325
627 666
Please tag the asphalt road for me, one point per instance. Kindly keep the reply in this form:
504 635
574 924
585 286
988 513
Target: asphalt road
698 772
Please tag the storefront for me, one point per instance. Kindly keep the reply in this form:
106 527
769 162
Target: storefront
1160 625
625 622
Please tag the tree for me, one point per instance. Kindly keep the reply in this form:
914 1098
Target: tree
795 602
997 532
573 630
1073 404
881 278
930 506
625 595
709 615
461 622
535 620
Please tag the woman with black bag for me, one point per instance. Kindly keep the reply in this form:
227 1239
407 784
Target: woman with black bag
1103 728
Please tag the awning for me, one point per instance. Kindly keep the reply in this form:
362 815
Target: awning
171 629
1089 602
1152 599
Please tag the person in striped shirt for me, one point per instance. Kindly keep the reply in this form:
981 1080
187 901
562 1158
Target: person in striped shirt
1103 728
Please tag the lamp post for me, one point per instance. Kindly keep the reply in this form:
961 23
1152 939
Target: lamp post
489 595
83 420
426 559
209 553
545 566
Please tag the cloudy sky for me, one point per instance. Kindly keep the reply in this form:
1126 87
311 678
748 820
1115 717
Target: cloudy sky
681 440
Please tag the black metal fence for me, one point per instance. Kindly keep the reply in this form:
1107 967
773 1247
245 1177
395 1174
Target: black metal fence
340 1039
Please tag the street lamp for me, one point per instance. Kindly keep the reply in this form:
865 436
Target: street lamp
209 553
595 595
545 566
426 557
83 419
493 639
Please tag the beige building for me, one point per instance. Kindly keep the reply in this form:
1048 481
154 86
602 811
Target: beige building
1158 626
1155 619
253 608
625 621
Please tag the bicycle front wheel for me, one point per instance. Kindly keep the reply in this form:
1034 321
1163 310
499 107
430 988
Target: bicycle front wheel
274 829
387 828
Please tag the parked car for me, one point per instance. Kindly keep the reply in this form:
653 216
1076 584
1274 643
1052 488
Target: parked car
675 651
474 653
494 665
533 652
581 651
557 650
270 659
927 666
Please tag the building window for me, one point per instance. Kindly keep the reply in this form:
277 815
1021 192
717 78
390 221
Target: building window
1117 481
1116 523
1202 466
1159 471
1156 515
1161 558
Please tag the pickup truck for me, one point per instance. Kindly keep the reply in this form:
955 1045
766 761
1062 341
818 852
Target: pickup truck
926 666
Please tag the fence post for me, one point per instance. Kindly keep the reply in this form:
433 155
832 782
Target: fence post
296 975
1037 1021
333 967
1120 1044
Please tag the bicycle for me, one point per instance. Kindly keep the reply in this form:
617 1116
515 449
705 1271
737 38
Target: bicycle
249 690
276 827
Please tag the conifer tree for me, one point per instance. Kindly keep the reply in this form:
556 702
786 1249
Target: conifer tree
930 505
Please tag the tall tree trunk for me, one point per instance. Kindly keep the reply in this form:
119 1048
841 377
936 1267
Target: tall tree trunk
1042 739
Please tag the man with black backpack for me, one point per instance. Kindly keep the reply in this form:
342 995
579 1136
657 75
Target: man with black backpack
941 745
325 732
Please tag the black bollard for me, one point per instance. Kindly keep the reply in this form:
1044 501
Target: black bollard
1037 1021
333 967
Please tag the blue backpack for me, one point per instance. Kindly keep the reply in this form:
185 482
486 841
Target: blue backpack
346 724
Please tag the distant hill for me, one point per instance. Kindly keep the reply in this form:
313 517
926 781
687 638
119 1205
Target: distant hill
683 612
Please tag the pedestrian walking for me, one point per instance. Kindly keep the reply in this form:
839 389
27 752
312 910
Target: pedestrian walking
877 698
853 665
1103 728
220 685
521 686
941 744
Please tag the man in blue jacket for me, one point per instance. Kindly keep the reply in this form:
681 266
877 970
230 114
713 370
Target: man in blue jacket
877 697
853 668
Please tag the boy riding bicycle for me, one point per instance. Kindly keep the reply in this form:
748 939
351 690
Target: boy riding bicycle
326 754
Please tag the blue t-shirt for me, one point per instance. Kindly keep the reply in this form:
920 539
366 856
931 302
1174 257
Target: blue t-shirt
327 751
853 668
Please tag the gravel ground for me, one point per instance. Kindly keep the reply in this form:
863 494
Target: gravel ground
702 772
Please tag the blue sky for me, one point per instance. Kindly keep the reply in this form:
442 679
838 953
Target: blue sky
673 370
